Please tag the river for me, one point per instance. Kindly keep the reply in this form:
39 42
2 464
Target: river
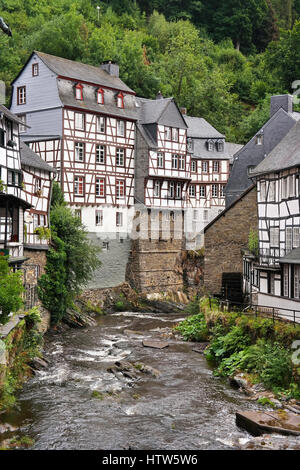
185 408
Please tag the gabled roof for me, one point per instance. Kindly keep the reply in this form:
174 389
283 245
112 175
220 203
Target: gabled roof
285 155
154 111
81 72
30 158
10 115
199 128
224 212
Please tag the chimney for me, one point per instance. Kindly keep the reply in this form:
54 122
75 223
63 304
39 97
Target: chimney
281 101
183 111
111 68
159 96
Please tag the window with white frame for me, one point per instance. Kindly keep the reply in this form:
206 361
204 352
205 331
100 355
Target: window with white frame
119 219
286 281
160 160
202 191
289 239
120 100
296 281
181 162
222 190
120 189
171 191
292 186
79 121
205 167
274 236
262 191
100 154
79 185
21 95
194 166
272 191
192 190
175 134
168 133
35 70
174 162
205 215
284 188
296 237
210 145
156 189
120 157
216 167
100 187
99 217
100 96
79 92
22 127
79 151
178 190
101 124
215 190
121 128
259 139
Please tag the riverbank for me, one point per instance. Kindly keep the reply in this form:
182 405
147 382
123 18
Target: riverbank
89 398
254 353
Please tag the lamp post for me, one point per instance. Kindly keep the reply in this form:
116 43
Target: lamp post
98 9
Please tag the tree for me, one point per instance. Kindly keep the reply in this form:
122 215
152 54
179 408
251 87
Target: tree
11 289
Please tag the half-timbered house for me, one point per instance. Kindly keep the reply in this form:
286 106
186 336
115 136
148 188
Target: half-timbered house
82 122
211 157
282 119
12 199
272 277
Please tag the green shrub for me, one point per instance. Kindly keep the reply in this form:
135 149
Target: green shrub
194 328
11 289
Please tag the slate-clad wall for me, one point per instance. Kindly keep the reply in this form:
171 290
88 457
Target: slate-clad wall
252 154
114 262
225 239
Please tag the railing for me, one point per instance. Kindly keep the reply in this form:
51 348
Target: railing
30 296
274 313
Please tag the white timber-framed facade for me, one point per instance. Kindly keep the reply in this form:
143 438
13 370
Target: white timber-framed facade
271 277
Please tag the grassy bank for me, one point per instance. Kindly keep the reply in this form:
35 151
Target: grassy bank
241 343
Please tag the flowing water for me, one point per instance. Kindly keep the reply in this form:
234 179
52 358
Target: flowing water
185 408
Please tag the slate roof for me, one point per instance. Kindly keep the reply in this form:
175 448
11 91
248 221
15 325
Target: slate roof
30 158
152 111
201 129
10 115
79 71
274 130
292 258
285 155
66 94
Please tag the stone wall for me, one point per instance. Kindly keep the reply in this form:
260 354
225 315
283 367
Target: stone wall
155 266
34 267
225 239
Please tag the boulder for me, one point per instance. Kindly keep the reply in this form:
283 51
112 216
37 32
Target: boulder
155 344
38 364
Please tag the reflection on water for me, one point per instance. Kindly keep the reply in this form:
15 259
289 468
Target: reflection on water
185 408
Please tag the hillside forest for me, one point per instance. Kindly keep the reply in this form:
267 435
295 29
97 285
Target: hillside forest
222 60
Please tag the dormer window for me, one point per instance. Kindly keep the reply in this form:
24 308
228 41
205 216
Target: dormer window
79 92
120 100
259 139
100 96
220 145
210 145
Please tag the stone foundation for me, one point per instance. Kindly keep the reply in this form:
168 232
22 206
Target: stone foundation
155 266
